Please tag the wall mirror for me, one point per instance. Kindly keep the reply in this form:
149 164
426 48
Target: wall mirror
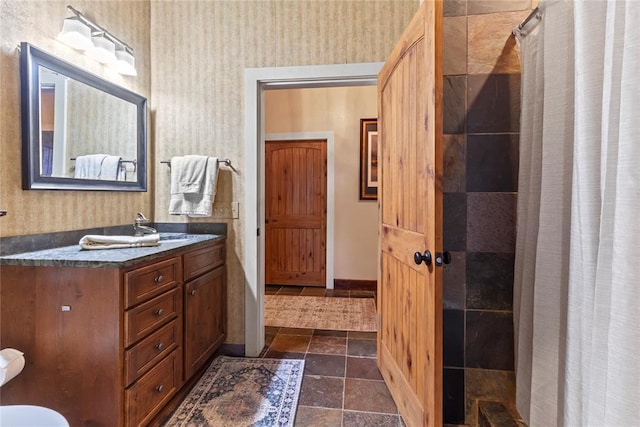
79 131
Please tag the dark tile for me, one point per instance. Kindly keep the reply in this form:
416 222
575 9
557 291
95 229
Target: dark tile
494 103
492 163
363 368
491 222
363 335
271 330
328 345
273 354
454 49
454 282
453 396
490 281
455 221
307 416
328 365
325 392
360 419
485 384
271 289
295 331
494 414
478 7
362 294
369 396
329 333
454 164
341 293
489 340
455 7
491 47
290 290
359 347
268 339
453 338
454 104
313 292
290 343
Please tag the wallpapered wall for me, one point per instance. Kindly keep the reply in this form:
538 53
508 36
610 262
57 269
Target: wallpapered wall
39 22
88 105
338 110
199 51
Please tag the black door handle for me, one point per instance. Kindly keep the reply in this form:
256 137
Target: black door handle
443 258
418 258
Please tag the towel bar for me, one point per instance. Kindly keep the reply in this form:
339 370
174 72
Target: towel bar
134 162
226 162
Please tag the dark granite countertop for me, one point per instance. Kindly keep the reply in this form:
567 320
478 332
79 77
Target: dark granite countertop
74 256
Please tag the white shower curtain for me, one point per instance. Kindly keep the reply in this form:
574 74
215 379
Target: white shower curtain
577 286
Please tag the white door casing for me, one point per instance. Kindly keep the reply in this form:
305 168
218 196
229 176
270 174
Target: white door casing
256 80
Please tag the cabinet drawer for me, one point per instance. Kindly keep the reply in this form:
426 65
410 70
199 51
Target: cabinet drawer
203 260
144 283
153 390
147 317
144 355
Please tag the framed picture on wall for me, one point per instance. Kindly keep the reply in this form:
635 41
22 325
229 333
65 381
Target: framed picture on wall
368 159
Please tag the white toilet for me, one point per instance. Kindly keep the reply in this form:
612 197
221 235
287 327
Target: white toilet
11 364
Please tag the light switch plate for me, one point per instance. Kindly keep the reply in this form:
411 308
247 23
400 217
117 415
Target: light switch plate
226 210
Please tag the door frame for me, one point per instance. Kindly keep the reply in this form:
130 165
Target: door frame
256 81
328 136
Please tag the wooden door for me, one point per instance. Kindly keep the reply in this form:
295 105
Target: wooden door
295 212
410 194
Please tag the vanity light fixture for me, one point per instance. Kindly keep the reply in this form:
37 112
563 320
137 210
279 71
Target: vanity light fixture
80 33
75 34
125 63
103 50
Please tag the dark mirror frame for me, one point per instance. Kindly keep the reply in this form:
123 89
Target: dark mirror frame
31 59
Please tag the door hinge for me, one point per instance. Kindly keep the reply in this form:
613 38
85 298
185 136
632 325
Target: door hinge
258 232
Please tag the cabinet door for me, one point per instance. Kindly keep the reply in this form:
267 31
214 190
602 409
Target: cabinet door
204 318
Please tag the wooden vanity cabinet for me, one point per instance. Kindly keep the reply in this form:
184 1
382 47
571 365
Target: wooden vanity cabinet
153 299
204 306
112 346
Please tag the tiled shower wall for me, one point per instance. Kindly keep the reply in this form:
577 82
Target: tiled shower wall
481 125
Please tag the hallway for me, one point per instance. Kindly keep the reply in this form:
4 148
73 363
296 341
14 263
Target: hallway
342 385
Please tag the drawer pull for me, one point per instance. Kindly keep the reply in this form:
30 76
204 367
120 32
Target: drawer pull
159 279
193 292
159 346
160 388
159 312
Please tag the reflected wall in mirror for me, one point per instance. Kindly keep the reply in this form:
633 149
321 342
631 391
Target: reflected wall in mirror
80 132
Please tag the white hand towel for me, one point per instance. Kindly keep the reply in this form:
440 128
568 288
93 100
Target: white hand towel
110 168
96 241
190 172
89 167
198 204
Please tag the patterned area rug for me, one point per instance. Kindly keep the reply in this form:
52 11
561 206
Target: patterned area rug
341 314
236 392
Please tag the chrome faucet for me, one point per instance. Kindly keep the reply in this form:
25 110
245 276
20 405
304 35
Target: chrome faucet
141 230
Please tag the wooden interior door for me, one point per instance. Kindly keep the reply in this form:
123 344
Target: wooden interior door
296 212
410 194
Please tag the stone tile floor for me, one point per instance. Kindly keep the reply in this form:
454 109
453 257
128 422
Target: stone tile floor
342 386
